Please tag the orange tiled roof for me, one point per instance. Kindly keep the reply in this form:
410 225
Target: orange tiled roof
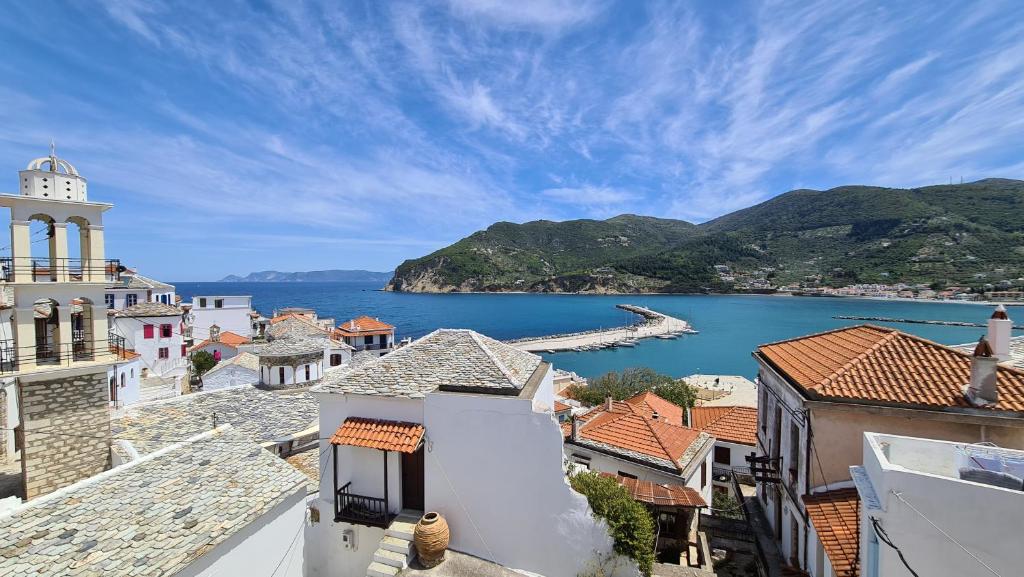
836 518
667 495
872 363
364 324
651 403
379 434
125 354
729 424
228 338
560 406
629 427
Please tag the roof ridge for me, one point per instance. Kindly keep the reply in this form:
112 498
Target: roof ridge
886 339
830 331
494 358
650 425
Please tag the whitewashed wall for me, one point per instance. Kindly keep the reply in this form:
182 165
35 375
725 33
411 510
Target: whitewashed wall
132 329
226 352
270 546
131 371
234 316
494 470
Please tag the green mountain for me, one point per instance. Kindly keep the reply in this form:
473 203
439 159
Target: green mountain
969 233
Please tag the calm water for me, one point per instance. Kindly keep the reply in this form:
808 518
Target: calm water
730 326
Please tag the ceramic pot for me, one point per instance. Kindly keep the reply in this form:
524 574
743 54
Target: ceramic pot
431 539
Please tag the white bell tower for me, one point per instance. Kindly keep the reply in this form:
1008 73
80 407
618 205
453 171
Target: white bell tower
52 178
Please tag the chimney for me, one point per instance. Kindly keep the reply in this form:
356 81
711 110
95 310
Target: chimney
575 428
983 389
999 326
608 403
655 415
689 419
214 333
352 324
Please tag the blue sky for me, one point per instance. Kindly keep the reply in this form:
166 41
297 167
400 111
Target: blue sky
241 136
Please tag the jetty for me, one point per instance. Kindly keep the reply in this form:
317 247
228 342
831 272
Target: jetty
917 321
654 324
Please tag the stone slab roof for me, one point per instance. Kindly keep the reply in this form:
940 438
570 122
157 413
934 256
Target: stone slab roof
283 347
836 518
448 359
153 516
245 360
150 310
880 364
262 416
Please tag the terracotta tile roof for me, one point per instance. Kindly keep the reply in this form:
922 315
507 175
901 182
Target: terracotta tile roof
379 434
560 406
871 363
629 428
125 354
227 338
666 495
836 518
729 424
651 403
364 324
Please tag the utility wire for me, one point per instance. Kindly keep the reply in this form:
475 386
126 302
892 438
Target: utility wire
944 534
880 532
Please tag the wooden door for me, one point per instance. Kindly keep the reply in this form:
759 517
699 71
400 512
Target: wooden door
412 480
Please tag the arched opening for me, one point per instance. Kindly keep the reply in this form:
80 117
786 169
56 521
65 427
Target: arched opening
42 260
46 315
80 265
83 341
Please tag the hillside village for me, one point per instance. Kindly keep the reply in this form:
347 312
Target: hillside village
317 447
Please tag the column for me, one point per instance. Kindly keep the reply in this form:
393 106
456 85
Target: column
63 345
99 332
21 251
59 253
96 254
25 337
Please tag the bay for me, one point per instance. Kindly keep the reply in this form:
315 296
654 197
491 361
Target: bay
731 326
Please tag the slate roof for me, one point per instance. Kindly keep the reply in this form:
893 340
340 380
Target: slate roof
880 364
150 310
729 424
291 346
262 416
448 359
153 516
292 326
836 518
379 434
308 463
139 282
660 494
628 430
245 360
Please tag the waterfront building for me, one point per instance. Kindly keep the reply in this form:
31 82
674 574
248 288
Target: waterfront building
309 314
55 359
133 288
155 332
367 334
820 393
735 433
231 313
456 423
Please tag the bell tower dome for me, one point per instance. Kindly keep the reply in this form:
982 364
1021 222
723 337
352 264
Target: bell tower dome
52 178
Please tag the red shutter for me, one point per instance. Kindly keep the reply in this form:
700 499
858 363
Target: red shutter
147 331
183 351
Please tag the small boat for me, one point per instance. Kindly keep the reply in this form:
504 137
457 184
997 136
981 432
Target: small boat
690 332
668 337
551 351
626 344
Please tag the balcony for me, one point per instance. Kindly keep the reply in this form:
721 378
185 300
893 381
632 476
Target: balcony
63 270
360 509
53 355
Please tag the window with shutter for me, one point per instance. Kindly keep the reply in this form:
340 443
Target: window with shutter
147 331
165 331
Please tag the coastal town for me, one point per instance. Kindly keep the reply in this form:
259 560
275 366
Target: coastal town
149 435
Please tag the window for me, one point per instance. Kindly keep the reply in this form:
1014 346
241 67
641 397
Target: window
581 461
723 455
307 372
794 452
165 331
184 350
626 475
109 300
131 299
335 359
163 353
368 340
218 303
280 374
122 380
147 331
703 474
202 303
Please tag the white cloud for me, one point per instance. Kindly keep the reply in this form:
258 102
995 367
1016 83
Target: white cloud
546 14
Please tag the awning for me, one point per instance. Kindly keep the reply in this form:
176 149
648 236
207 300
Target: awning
661 495
379 434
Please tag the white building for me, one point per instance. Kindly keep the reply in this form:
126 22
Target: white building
456 423
951 508
299 351
133 288
232 313
125 379
154 331
367 334
223 345
241 369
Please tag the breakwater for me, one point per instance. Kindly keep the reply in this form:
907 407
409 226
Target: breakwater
917 321
653 324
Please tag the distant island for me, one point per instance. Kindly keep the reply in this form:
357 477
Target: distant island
333 275
967 235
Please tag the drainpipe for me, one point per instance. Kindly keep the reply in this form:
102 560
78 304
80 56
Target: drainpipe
807 479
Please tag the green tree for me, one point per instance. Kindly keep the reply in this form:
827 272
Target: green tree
629 523
631 381
202 362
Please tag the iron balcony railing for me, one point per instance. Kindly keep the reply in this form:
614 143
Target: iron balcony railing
60 269
371 347
14 358
360 509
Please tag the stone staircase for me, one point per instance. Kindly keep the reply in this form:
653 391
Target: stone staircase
396 548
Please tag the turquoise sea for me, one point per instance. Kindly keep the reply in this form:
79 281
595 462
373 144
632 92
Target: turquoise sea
731 326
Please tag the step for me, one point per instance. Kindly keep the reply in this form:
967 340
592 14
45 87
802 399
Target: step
403 546
380 570
400 529
385 557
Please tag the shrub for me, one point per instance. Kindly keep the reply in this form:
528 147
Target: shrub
631 381
725 505
629 523
202 362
